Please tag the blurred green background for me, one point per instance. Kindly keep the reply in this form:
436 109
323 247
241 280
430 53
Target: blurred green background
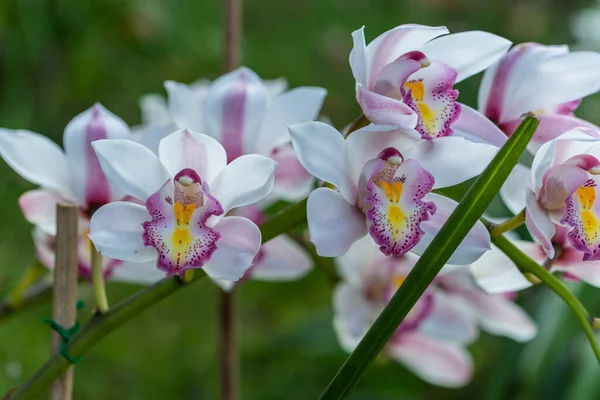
58 57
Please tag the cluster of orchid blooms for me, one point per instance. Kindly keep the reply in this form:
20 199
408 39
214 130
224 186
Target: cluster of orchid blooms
187 188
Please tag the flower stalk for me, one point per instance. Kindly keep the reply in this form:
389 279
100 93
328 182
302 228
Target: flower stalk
98 279
508 225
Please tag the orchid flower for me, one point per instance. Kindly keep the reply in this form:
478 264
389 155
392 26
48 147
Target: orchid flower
432 339
549 81
558 194
73 175
186 191
239 111
405 77
384 181
248 115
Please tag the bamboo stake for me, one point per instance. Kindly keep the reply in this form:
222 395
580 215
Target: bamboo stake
65 289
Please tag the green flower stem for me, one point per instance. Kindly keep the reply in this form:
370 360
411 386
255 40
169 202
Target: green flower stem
31 276
102 324
35 295
98 279
466 214
508 225
527 265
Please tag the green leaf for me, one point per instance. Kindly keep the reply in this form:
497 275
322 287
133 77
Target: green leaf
460 222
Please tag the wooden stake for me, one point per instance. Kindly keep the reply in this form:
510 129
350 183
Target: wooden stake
65 288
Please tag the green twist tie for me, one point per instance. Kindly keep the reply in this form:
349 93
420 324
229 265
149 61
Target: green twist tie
66 334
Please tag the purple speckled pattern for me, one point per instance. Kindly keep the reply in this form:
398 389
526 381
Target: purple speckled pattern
393 204
178 230
581 213
430 93
97 188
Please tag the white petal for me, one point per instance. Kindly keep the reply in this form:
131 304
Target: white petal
187 149
358 56
131 167
515 188
95 123
37 159
224 284
435 361
333 223
150 136
39 208
320 149
234 109
390 45
467 52
474 126
353 264
44 250
137 273
452 160
471 248
283 260
155 110
587 271
116 230
236 248
293 107
185 106
450 318
246 180
353 315
494 272
539 223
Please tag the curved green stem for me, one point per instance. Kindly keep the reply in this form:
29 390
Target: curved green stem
35 295
102 324
527 265
98 279
508 225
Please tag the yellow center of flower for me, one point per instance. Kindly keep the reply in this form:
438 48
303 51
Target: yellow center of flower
399 280
427 115
587 197
182 237
396 216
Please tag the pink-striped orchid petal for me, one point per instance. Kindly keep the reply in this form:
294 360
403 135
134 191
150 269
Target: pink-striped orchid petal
430 94
246 180
474 126
496 313
236 249
185 106
551 126
234 109
393 205
333 223
452 160
368 61
560 183
44 250
89 182
353 315
37 159
435 361
151 135
39 208
178 229
383 110
321 150
515 188
587 271
467 52
116 231
494 272
582 213
292 180
539 223
449 319
292 107
472 247
281 259
131 167
187 149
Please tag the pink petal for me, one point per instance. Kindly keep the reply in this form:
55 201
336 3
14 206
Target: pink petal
385 110
474 126
292 181
282 260
39 208
539 223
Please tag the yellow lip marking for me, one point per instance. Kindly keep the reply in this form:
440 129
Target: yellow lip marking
587 197
396 216
427 114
